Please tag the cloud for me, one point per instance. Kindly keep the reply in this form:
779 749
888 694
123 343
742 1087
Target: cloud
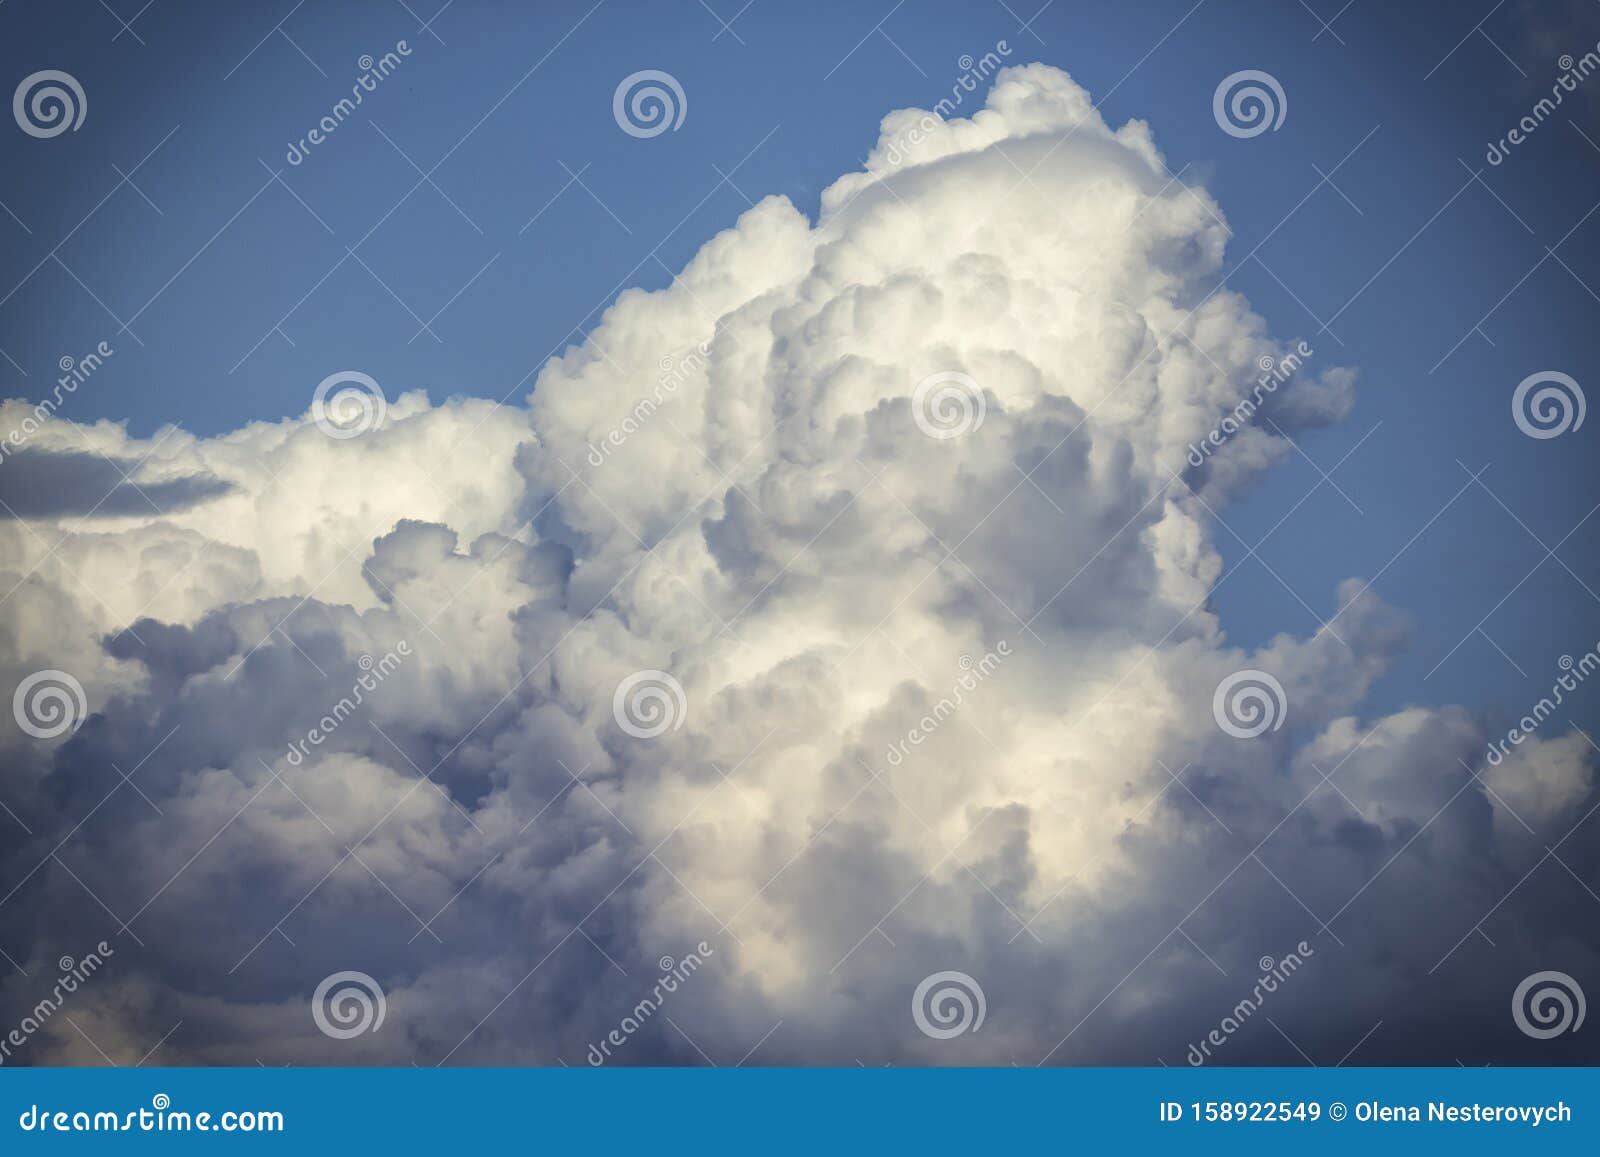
946 701
57 485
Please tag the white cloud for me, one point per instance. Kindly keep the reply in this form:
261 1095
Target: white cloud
776 531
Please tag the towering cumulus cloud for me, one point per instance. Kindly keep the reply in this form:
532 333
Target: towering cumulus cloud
817 668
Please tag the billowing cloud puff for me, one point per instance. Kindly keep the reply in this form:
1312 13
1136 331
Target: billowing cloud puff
832 618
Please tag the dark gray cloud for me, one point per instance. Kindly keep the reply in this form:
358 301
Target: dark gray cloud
67 483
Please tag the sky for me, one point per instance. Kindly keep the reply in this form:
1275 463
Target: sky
485 243
212 279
